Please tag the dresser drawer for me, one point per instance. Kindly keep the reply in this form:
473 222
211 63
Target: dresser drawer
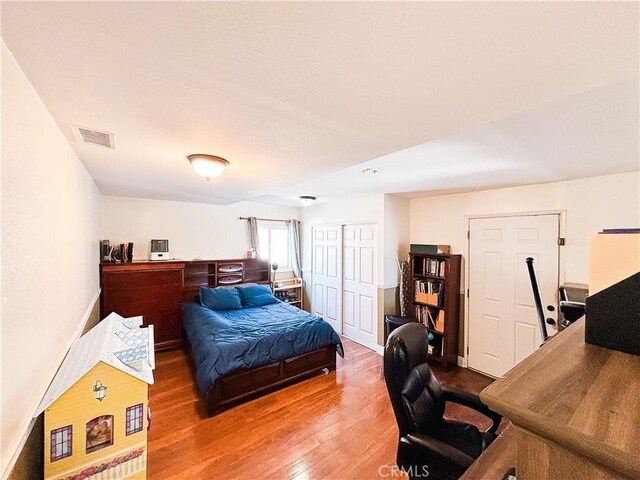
125 280
145 298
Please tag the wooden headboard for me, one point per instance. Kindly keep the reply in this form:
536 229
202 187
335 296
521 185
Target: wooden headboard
222 273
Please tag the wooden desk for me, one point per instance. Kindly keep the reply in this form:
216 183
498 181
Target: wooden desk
495 460
575 408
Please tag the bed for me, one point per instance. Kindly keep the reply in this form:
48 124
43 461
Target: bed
242 353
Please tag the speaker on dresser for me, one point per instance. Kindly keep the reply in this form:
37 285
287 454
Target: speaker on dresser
159 250
105 250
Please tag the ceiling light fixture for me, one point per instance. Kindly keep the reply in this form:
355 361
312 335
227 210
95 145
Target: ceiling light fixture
208 166
307 200
370 171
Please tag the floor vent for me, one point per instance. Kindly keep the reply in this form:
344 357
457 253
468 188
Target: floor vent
94 137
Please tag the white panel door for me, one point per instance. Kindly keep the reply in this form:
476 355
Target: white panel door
503 325
360 296
326 270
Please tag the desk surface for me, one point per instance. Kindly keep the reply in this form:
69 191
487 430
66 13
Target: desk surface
584 397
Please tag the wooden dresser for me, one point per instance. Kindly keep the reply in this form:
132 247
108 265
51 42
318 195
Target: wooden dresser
575 410
156 290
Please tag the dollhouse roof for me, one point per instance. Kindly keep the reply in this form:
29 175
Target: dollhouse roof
116 341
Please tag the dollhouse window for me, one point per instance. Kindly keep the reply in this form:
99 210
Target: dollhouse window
61 443
134 419
99 433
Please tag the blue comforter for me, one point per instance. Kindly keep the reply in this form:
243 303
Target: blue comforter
226 340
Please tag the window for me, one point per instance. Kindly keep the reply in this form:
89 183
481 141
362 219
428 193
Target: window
134 419
99 433
274 243
61 443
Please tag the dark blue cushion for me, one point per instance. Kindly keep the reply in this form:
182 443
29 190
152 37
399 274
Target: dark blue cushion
220 298
256 296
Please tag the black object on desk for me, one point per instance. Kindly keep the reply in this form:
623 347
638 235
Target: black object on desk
613 316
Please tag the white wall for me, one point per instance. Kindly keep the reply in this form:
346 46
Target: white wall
389 212
49 270
194 230
396 236
591 204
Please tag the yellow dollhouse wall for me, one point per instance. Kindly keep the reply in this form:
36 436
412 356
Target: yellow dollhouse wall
78 405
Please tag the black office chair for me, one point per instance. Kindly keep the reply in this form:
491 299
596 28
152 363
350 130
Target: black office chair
427 441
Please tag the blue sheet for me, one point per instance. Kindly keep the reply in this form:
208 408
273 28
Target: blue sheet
226 340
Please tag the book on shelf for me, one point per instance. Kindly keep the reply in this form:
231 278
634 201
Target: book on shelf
434 267
439 323
430 291
433 320
424 316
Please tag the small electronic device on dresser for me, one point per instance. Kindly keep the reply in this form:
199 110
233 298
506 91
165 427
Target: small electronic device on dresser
159 250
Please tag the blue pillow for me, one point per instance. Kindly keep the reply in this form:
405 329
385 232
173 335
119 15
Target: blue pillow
256 296
220 298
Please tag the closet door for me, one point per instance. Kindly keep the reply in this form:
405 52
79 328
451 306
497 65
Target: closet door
503 324
360 295
326 294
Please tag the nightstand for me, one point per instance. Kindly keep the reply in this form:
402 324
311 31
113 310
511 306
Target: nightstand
289 291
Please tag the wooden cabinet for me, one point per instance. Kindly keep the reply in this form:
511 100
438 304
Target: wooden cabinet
153 290
156 290
435 289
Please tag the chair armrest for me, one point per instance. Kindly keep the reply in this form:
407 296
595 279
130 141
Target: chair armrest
436 448
472 401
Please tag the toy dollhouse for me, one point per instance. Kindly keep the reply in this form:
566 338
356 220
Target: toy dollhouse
96 409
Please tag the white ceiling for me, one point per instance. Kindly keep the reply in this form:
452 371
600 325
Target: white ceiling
588 134
301 96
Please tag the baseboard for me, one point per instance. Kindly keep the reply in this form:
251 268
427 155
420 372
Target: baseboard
30 425
462 362
379 349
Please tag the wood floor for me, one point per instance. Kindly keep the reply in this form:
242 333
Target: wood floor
333 426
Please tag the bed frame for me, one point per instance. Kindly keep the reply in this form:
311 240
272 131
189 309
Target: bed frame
248 383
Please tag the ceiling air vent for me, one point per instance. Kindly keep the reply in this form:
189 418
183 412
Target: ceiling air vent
94 137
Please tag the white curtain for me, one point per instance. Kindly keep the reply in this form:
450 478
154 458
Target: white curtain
254 241
294 247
